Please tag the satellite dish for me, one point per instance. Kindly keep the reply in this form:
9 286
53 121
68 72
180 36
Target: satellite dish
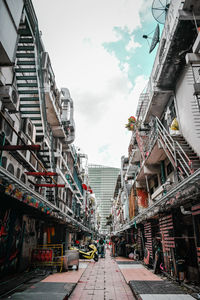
155 39
159 10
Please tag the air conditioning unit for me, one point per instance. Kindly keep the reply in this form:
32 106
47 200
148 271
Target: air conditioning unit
29 129
33 160
61 206
157 193
196 88
9 97
26 142
5 127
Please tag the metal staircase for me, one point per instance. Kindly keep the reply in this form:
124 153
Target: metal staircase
29 81
27 77
179 152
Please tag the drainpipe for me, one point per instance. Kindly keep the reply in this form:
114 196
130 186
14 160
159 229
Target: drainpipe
148 189
162 167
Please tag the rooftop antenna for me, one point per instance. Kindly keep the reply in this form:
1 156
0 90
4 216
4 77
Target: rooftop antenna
159 10
155 39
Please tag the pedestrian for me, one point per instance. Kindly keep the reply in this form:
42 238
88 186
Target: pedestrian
101 247
123 247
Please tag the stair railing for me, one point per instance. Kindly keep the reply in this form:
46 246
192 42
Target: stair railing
140 144
167 142
152 138
184 160
181 159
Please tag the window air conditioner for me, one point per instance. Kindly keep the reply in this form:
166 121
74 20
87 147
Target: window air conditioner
196 88
29 129
157 192
33 160
9 97
5 127
26 142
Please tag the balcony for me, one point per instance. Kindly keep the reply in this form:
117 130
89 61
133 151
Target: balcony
9 20
52 97
132 171
53 113
178 36
158 99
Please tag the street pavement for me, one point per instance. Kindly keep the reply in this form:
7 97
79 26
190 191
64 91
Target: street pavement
102 281
57 286
108 279
148 286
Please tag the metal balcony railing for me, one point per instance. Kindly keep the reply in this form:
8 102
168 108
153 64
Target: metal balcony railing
173 149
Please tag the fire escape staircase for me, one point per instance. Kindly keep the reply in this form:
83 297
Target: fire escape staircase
27 80
179 152
30 84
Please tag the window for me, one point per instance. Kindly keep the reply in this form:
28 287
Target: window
23 178
155 181
29 130
152 190
170 168
4 162
18 173
11 169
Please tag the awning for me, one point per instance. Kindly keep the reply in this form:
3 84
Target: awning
18 190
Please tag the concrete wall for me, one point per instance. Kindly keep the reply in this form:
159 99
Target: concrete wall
10 15
188 115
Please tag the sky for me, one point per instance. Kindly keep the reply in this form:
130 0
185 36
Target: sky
97 51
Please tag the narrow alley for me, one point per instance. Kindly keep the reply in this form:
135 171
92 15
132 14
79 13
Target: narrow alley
100 150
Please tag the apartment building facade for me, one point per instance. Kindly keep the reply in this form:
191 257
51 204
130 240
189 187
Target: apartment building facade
163 165
41 171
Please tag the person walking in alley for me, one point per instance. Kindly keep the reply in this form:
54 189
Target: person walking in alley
101 247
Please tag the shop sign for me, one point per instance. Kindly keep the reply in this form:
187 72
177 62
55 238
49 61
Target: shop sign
13 191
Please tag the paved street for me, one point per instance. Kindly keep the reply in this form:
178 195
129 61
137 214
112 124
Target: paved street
148 286
108 279
102 281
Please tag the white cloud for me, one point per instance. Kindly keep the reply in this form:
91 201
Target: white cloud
73 34
109 128
132 45
126 67
146 10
